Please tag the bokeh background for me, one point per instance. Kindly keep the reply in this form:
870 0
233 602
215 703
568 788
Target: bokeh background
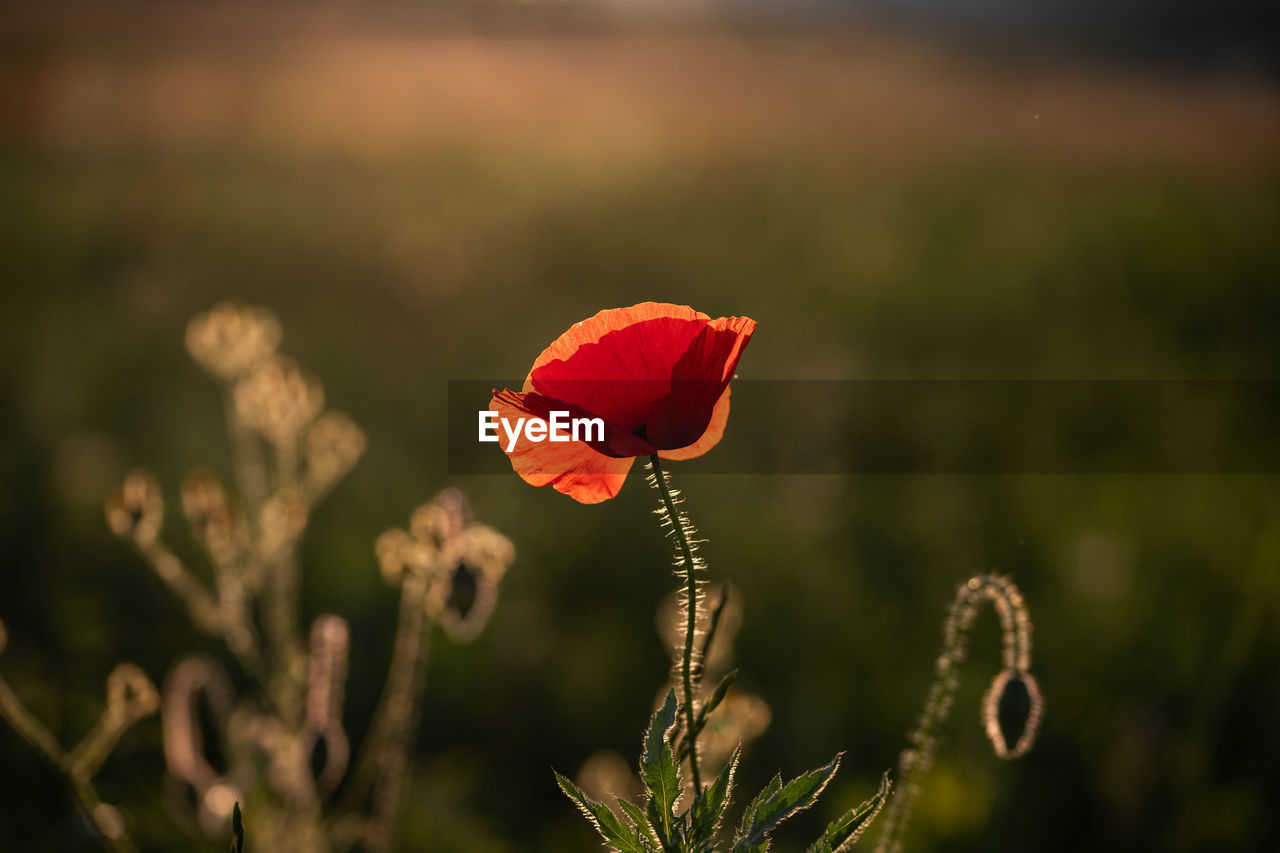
929 190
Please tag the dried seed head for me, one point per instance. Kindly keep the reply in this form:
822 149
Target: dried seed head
130 694
1011 711
230 340
137 510
398 555
442 519
202 496
284 517
278 399
333 445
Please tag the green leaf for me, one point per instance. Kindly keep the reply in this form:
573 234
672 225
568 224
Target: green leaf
237 830
749 816
845 830
717 696
776 804
617 834
708 806
661 774
641 821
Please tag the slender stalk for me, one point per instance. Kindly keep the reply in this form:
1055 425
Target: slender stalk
282 595
917 758
691 611
382 761
246 459
86 798
13 712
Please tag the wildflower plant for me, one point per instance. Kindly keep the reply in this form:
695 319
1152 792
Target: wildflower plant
657 378
282 749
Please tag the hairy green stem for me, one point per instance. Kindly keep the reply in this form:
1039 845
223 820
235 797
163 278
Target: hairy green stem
691 611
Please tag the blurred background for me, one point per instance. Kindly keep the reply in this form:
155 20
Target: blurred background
892 190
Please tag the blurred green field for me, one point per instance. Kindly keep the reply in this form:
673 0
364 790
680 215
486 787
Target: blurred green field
417 210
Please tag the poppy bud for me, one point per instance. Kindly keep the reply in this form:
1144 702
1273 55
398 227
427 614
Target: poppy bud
137 510
1011 710
229 340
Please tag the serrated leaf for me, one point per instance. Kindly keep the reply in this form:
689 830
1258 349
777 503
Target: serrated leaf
708 807
641 821
844 831
661 774
749 816
616 834
794 797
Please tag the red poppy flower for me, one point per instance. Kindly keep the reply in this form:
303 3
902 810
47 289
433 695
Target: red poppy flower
657 375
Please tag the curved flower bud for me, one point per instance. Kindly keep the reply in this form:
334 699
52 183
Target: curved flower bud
464 589
1011 711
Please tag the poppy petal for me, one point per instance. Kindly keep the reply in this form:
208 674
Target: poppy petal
591 330
574 468
699 380
711 435
619 362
